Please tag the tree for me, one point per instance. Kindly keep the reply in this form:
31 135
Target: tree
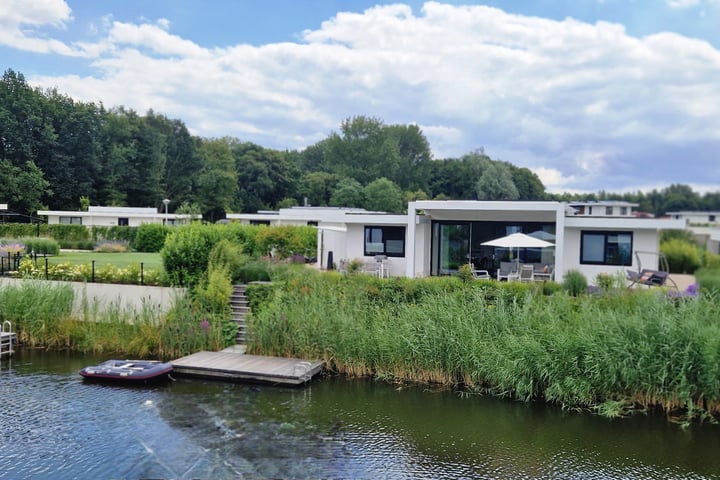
528 184
217 183
265 176
457 178
348 193
23 188
383 195
496 183
317 187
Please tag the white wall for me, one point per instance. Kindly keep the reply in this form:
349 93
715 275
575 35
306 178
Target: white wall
643 240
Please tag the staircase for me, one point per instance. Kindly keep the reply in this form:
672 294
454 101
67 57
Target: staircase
239 308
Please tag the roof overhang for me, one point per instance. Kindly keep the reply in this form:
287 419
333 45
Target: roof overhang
615 223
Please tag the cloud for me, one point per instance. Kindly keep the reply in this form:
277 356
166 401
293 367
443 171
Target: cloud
582 104
20 23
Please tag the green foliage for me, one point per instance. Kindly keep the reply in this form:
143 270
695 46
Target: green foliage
228 256
35 309
383 195
40 245
286 240
213 293
709 280
254 271
150 237
575 283
465 273
186 251
682 257
496 183
685 235
639 349
348 193
111 247
711 260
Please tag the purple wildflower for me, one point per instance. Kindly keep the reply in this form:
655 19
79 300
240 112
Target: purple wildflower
205 325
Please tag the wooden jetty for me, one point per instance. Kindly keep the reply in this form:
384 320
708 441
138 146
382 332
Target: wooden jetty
233 366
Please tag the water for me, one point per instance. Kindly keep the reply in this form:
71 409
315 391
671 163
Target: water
55 426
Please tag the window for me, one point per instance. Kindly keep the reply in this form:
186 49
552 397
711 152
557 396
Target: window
623 210
606 248
123 222
711 218
608 211
388 241
71 220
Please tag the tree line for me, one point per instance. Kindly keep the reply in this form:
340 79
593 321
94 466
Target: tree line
60 154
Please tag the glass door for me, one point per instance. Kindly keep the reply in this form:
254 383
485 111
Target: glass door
451 246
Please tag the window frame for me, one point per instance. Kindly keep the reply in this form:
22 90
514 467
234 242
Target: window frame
69 220
399 231
607 255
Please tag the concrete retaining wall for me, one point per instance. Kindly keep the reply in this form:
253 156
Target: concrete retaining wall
104 295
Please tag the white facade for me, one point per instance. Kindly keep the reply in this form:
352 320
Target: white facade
604 208
441 235
696 217
340 231
113 216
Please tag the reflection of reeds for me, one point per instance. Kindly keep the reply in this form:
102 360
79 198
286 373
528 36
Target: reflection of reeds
613 352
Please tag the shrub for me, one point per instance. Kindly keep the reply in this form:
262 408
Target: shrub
575 283
111 247
286 240
682 256
465 273
711 260
150 237
228 255
255 271
186 251
41 246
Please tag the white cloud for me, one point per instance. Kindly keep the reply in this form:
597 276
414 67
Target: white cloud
577 102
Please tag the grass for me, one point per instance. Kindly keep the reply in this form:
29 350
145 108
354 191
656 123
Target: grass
120 260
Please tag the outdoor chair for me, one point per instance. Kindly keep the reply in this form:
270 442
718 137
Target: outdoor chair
507 271
650 278
526 273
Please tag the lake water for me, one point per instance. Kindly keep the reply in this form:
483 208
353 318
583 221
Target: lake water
55 426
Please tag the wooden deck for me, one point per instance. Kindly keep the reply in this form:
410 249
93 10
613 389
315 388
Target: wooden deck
248 368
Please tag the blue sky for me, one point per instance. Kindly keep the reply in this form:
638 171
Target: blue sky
613 95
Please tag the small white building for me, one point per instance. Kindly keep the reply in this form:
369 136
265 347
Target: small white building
437 237
113 216
705 226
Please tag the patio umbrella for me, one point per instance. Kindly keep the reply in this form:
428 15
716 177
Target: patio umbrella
518 240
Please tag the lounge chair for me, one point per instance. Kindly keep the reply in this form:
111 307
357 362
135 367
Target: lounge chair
650 278
526 273
507 271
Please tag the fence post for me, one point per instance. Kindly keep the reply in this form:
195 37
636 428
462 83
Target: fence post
47 275
92 272
142 276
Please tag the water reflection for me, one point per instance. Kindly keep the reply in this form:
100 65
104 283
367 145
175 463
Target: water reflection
56 426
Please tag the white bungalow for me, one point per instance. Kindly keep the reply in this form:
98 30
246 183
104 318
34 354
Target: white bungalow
437 237
113 216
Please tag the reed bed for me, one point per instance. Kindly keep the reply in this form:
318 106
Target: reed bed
616 352
42 316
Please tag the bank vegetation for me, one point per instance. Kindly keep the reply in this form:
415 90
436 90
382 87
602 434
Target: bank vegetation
614 351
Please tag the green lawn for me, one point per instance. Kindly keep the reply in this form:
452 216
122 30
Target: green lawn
151 261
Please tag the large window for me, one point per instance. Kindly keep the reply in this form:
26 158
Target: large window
389 241
71 220
606 248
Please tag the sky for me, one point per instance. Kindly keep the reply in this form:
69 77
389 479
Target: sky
591 95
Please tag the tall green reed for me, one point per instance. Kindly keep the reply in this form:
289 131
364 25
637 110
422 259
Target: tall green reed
619 351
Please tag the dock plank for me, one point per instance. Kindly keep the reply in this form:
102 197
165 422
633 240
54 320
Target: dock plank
243 367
